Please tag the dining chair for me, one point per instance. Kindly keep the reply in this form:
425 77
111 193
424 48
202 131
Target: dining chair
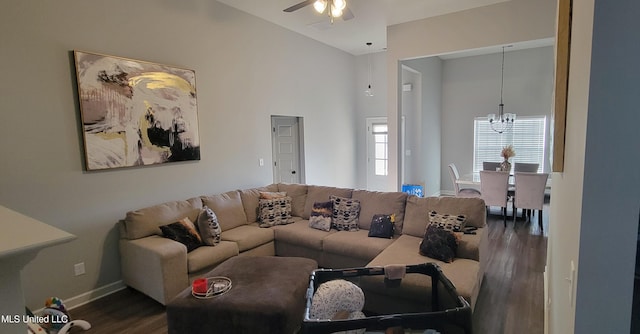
494 187
529 193
490 165
464 192
525 167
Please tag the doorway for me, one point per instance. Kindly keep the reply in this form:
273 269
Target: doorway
287 149
377 153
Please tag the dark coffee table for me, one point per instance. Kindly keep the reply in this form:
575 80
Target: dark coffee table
267 296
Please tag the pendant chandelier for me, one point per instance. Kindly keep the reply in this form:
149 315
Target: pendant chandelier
504 121
369 90
334 8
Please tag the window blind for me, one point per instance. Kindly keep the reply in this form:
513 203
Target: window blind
528 136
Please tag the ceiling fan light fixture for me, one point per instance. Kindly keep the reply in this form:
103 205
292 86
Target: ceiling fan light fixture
335 11
340 4
320 6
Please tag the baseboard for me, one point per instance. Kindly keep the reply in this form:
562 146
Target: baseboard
90 296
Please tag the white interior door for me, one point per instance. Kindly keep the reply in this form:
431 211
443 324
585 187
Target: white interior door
286 147
377 153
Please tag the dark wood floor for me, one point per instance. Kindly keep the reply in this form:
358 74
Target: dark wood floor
510 300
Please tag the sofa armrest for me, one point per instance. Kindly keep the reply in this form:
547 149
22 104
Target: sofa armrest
154 265
473 246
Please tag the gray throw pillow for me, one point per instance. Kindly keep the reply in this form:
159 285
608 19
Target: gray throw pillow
209 227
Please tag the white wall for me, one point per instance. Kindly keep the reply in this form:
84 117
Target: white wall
471 88
246 71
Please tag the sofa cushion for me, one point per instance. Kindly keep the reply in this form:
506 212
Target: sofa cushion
248 236
299 233
463 273
229 209
250 199
298 194
184 232
417 212
355 244
321 194
209 227
376 202
345 213
147 221
208 256
272 194
275 211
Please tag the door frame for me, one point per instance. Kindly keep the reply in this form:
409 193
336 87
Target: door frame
301 165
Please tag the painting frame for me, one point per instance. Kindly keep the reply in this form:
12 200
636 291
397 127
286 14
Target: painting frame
135 112
561 89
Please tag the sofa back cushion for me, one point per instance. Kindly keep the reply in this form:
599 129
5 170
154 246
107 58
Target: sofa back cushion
321 194
250 198
375 202
298 194
417 211
147 221
228 207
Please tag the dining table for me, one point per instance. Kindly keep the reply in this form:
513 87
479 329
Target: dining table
473 179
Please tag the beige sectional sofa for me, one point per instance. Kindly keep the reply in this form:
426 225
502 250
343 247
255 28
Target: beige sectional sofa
161 268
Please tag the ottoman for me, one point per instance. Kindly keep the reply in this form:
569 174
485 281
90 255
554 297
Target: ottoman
267 296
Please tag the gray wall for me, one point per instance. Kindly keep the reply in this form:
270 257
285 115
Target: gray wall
471 88
594 205
246 71
423 124
368 106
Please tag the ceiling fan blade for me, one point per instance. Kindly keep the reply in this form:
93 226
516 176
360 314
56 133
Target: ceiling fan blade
347 14
298 6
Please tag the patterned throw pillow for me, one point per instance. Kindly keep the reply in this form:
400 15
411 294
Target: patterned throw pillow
382 226
184 232
276 211
345 213
439 244
449 222
320 217
209 227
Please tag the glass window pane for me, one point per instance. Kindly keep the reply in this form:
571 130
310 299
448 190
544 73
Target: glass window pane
381 167
380 128
381 151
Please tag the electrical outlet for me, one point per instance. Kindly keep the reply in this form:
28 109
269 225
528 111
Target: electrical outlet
260 162
78 268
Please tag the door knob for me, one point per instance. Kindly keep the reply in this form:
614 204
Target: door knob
293 172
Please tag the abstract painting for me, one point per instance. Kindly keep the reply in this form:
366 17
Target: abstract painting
135 113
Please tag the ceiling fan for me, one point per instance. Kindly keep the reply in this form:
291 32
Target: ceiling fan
333 8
